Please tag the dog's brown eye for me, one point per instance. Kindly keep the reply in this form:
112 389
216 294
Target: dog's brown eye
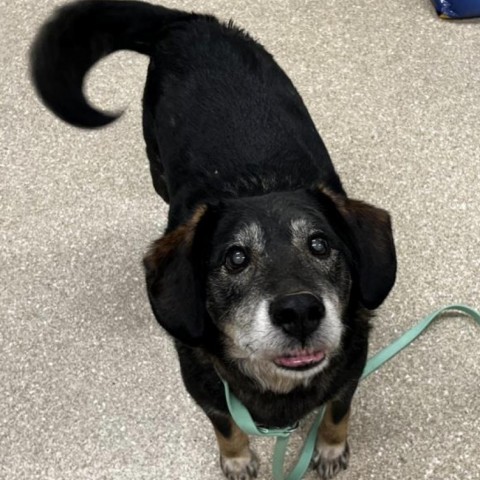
236 259
319 246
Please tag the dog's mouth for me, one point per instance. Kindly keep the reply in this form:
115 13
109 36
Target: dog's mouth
301 360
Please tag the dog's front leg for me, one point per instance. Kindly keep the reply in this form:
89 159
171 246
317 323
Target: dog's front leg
237 460
332 452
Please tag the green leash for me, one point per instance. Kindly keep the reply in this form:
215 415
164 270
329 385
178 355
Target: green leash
245 422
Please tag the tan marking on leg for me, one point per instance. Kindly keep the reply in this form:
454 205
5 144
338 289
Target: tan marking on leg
238 462
234 446
333 433
332 452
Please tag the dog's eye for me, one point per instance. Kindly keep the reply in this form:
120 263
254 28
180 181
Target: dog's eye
319 246
236 259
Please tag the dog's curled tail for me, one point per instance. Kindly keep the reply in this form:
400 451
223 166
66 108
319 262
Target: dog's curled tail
81 33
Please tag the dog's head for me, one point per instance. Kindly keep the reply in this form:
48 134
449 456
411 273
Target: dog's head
273 276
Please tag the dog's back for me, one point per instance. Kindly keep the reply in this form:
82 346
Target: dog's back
217 107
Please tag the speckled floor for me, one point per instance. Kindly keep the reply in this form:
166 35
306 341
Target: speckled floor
89 386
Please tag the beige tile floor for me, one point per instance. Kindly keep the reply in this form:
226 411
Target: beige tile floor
89 386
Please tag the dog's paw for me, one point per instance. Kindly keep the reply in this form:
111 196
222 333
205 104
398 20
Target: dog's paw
240 468
329 460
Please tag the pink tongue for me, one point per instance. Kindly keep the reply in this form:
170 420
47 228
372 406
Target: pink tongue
300 360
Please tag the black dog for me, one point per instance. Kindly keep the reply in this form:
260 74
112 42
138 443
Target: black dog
267 272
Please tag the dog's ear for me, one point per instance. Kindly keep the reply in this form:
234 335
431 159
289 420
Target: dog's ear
176 281
370 232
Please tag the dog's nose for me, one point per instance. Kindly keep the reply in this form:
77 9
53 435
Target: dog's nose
297 314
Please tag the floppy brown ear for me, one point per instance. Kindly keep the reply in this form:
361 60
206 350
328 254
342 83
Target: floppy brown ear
374 248
175 282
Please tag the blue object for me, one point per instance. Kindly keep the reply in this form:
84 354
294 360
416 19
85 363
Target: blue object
457 8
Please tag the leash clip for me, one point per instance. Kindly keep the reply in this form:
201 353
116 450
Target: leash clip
279 432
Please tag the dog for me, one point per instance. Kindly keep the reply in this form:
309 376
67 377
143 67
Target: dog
267 274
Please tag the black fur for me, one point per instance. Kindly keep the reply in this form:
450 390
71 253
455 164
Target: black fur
228 137
80 34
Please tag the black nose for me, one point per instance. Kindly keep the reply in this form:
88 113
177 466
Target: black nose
297 314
